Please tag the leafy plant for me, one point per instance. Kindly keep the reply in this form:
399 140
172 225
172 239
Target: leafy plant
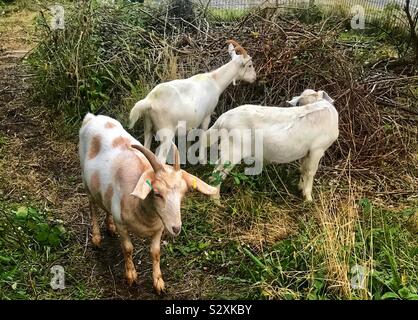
35 224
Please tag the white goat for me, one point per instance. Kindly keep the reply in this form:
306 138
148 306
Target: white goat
287 134
189 102
138 193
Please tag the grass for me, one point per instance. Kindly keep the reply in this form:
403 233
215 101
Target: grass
315 262
227 15
329 242
32 241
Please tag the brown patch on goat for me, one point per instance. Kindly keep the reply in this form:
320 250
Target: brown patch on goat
128 167
107 199
96 143
121 142
110 125
95 187
128 204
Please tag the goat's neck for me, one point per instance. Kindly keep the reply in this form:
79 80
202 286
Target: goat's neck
147 211
224 75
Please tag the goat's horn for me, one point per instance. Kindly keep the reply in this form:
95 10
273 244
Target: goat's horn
176 156
233 42
238 48
241 50
155 163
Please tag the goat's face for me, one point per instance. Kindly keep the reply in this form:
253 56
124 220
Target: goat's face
169 189
246 72
168 184
310 96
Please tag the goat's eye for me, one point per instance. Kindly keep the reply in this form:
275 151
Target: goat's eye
158 195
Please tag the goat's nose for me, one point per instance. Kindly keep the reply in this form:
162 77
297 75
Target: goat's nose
176 230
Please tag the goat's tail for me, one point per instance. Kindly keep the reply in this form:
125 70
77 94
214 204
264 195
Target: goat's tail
87 118
137 111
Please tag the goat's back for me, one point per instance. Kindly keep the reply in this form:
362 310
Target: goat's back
287 134
107 160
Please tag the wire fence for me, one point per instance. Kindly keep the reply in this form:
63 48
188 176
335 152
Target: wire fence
391 11
231 4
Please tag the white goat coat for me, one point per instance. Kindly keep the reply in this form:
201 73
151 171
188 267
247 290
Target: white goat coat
288 133
189 100
104 162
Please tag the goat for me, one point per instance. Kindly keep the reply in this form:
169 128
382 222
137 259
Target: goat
308 96
189 101
137 191
288 134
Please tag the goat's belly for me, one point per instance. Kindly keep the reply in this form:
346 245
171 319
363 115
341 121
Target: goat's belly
284 150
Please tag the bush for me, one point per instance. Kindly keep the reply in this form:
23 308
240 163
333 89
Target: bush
95 61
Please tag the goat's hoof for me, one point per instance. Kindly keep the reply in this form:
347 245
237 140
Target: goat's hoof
159 285
131 277
96 239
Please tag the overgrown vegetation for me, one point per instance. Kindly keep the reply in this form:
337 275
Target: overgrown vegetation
31 242
356 241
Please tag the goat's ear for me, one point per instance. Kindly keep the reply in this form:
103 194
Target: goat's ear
194 183
231 51
323 95
144 185
294 101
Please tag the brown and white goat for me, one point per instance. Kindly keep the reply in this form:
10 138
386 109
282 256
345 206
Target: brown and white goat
137 191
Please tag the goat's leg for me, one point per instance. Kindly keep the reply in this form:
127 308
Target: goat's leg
96 238
205 124
127 248
302 178
110 224
312 163
224 166
218 176
165 146
157 276
202 148
147 132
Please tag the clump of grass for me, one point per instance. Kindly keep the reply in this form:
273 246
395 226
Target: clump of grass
31 242
227 15
345 251
98 59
